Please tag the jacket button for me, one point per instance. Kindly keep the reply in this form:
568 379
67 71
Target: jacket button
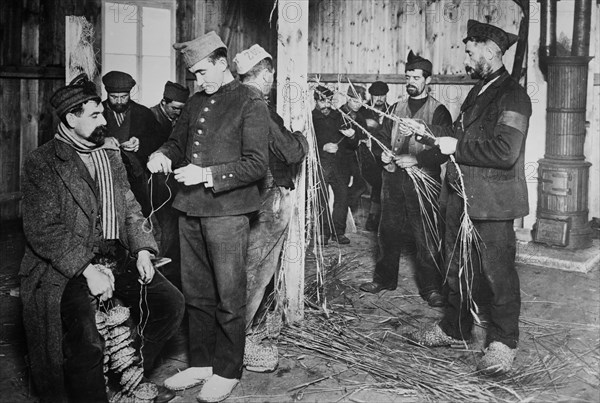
205 109
202 120
195 155
231 175
212 101
196 143
199 131
224 176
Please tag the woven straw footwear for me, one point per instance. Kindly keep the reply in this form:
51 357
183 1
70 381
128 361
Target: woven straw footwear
497 360
260 357
188 378
433 336
216 388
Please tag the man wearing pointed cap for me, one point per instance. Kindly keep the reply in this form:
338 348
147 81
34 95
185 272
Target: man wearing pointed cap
488 144
401 229
85 240
268 227
218 152
134 127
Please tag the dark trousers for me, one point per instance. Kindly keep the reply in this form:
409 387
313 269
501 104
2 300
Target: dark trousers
401 229
83 346
168 220
338 177
213 276
371 172
494 278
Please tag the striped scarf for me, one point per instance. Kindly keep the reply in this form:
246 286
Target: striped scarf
99 156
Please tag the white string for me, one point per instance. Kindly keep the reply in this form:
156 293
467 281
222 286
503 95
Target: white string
147 225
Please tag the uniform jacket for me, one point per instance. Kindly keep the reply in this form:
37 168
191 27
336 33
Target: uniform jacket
228 132
491 132
61 222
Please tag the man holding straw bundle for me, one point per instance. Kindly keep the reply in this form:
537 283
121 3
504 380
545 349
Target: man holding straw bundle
488 145
404 214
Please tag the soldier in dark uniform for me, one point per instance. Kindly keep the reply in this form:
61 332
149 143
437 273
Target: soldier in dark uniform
220 144
371 168
133 125
402 226
488 142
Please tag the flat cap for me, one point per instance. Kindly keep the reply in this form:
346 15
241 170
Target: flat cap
176 92
414 62
323 93
379 88
79 91
503 39
246 59
195 50
117 81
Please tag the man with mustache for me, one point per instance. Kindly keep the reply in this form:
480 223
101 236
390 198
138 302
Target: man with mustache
402 227
79 214
488 143
219 150
336 144
134 127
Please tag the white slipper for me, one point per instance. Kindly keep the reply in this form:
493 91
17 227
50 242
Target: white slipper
193 376
216 388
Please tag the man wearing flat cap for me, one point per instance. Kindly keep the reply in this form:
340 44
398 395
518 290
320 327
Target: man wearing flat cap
370 167
402 229
166 113
269 226
336 143
218 151
85 245
136 130
488 143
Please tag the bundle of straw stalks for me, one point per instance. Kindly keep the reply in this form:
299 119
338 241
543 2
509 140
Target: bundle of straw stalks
81 57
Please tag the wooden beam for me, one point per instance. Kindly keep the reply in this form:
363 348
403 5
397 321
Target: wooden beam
441 79
292 67
33 72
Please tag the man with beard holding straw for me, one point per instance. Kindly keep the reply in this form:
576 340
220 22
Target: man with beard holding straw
403 226
488 143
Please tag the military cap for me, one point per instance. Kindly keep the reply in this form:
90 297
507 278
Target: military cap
199 48
79 91
246 59
176 92
322 93
379 88
503 39
357 89
117 81
414 62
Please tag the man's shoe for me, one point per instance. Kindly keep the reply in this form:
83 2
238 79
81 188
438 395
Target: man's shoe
164 395
188 378
436 300
497 360
433 336
374 287
216 388
341 239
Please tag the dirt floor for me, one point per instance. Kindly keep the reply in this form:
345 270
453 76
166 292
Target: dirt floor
354 351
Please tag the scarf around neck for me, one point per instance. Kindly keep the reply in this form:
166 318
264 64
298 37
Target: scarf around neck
110 225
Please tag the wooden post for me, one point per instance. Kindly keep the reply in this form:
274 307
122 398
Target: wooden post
292 87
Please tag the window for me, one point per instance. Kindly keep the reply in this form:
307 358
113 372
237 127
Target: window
137 40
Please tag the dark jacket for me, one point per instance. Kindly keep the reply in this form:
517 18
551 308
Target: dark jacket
61 206
286 151
165 125
226 131
327 130
491 132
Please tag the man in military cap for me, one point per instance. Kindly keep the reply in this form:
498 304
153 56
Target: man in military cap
402 227
134 127
336 144
268 228
166 113
219 151
78 215
488 143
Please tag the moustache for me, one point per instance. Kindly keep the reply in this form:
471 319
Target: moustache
98 135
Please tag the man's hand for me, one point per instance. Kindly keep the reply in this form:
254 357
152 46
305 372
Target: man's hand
145 266
386 157
405 160
158 162
372 123
133 144
99 283
192 174
349 132
447 145
330 148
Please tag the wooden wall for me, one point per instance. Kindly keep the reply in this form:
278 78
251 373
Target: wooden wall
32 59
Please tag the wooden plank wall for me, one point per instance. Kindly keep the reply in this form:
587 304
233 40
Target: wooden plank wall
373 37
32 54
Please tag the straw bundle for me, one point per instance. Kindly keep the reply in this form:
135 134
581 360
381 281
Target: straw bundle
81 57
